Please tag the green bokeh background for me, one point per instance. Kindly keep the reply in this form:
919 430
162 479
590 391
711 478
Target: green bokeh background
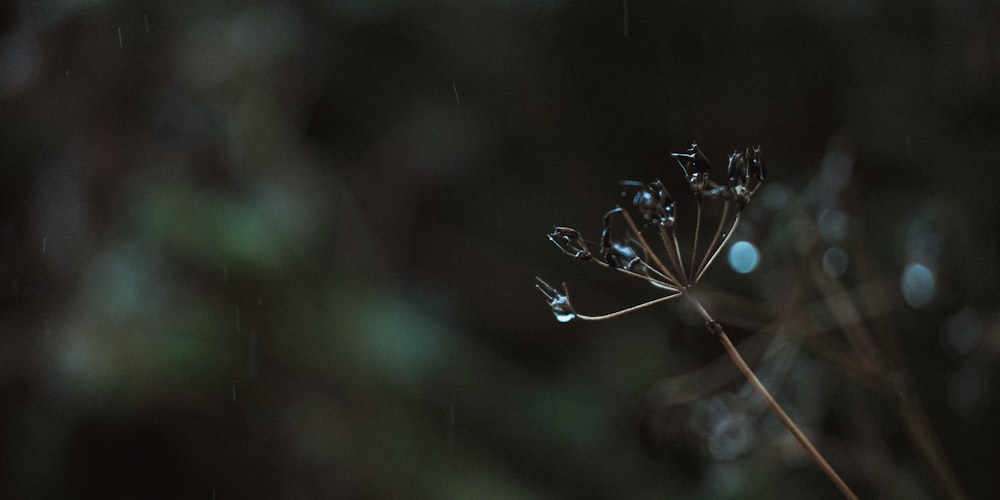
286 249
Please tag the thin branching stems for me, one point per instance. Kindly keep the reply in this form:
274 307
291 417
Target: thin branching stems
653 202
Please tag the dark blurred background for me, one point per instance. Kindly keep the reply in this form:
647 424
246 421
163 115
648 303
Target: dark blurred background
286 249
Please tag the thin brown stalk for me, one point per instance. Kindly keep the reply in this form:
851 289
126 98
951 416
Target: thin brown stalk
715 239
648 249
673 252
628 309
694 245
725 239
716 329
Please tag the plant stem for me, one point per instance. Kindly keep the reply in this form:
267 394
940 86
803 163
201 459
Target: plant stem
716 329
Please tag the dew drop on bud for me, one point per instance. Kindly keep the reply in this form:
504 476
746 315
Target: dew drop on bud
562 309
564 317
559 302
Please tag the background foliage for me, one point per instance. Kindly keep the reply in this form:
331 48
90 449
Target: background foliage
285 249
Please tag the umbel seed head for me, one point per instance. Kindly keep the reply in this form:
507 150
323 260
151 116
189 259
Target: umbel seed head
626 249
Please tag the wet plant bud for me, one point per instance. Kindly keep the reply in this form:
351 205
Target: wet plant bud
619 255
696 168
558 301
570 241
624 257
737 168
746 174
653 201
756 164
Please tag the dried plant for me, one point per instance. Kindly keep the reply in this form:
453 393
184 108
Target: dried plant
634 256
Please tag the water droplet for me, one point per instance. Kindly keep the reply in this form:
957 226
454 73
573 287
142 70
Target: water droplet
564 317
835 261
558 301
562 309
744 257
918 285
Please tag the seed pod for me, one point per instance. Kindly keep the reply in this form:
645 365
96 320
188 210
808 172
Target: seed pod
696 168
653 202
624 257
746 174
571 242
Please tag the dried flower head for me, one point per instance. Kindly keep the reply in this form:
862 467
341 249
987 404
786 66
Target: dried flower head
624 246
634 256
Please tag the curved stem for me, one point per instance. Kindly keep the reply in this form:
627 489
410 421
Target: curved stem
655 281
715 239
627 309
732 231
673 252
694 245
716 329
